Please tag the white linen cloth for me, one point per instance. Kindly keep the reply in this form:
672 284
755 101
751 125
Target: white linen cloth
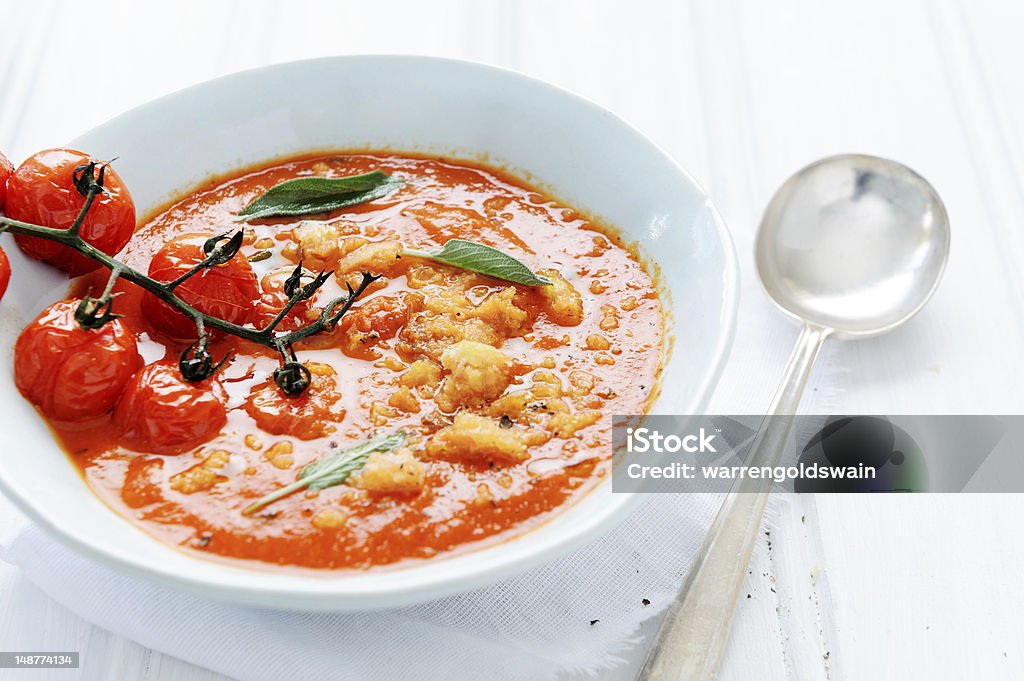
577 614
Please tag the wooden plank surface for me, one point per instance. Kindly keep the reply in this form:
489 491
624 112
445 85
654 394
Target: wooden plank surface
742 93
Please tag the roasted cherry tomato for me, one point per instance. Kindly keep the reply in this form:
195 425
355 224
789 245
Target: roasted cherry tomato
159 413
307 416
227 291
378 319
274 299
73 375
6 168
42 191
5 272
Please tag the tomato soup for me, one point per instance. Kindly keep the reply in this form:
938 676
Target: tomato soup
505 391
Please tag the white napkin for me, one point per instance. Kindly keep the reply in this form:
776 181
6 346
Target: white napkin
578 614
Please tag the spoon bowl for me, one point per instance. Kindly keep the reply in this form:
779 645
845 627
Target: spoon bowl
853 243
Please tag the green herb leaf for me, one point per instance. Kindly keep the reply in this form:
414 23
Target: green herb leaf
332 470
469 255
307 195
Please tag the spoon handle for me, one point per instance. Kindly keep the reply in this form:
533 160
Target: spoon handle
693 635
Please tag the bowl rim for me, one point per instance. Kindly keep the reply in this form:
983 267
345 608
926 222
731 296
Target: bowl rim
331 588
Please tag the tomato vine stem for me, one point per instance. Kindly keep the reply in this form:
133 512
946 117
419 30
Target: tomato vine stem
220 250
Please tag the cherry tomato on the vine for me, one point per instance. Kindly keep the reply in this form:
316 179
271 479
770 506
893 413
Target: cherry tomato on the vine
160 413
6 168
377 319
227 291
42 191
5 273
73 375
273 299
307 416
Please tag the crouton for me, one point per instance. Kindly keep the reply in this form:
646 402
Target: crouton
581 382
329 518
203 476
478 373
564 425
403 399
431 335
503 315
317 244
375 257
392 472
422 372
478 439
563 302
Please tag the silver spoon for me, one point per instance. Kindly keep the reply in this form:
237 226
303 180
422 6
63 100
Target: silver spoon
851 246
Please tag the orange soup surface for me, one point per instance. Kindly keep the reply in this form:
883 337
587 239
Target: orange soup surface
505 391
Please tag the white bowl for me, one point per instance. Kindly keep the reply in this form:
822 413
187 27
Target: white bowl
585 155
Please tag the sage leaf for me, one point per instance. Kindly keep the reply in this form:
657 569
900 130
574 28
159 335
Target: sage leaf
332 470
476 257
308 195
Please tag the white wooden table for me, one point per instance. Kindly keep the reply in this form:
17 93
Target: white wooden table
743 93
